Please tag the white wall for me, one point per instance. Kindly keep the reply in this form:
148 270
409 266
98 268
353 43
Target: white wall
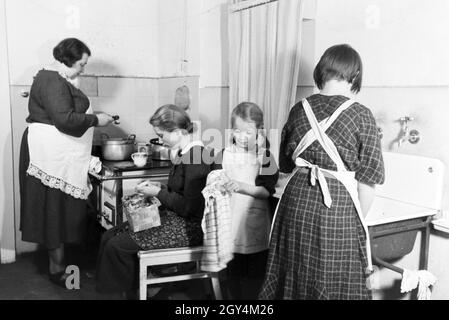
179 37
401 41
121 44
7 243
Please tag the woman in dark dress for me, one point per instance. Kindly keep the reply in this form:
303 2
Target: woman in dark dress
319 248
55 154
117 268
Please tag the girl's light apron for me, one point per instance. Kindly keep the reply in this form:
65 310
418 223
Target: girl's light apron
347 178
250 216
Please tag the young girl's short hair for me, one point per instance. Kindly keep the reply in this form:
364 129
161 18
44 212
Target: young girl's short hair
170 117
340 62
250 112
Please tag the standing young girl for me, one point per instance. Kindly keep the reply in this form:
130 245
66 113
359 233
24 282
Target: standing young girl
253 175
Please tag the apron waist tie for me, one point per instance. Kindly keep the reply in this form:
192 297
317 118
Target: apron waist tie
316 173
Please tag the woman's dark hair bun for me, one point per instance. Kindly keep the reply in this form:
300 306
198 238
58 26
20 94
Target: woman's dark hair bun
70 50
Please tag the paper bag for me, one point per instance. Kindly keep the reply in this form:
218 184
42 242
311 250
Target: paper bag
142 213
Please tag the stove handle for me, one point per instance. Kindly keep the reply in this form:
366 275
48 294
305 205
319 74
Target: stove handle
112 208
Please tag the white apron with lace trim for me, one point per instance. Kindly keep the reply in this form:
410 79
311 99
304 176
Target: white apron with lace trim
250 216
60 161
347 178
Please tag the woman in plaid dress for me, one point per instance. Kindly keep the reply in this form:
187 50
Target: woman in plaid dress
318 245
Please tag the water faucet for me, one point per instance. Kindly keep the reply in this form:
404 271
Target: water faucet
405 129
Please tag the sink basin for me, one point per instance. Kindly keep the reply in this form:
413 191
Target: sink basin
384 210
412 191
396 245
412 179
413 188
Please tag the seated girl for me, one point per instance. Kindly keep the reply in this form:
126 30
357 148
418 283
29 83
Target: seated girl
117 267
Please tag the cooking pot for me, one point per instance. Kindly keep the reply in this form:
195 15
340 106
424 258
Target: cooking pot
117 149
158 150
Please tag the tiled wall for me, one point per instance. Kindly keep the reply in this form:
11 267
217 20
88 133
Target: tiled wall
134 100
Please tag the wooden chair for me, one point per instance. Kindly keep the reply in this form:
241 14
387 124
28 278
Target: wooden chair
159 257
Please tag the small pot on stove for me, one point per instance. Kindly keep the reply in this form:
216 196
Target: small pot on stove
158 150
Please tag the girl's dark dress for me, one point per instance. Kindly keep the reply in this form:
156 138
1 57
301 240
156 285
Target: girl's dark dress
318 252
117 267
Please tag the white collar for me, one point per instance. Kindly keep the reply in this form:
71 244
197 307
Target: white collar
61 69
192 144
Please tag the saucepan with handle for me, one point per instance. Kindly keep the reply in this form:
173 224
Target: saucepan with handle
117 149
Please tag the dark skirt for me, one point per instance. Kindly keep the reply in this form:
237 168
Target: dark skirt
48 216
316 252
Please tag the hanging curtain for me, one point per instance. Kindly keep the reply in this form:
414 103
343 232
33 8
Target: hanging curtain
264 53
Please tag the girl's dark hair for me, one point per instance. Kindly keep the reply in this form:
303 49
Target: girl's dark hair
250 112
340 62
170 117
70 50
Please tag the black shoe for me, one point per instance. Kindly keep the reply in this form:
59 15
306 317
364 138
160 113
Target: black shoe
58 279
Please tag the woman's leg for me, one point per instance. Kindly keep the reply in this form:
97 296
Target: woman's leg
117 263
236 269
256 268
56 259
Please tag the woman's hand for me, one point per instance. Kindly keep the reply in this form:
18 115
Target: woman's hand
148 189
104 119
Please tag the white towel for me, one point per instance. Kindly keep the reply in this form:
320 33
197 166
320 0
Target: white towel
95 165
216 224
422 279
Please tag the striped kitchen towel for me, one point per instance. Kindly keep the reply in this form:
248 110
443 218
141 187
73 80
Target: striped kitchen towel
216 223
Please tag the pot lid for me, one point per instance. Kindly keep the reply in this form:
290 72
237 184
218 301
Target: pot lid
105 139
156 141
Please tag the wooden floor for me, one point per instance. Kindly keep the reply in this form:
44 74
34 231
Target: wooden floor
27 279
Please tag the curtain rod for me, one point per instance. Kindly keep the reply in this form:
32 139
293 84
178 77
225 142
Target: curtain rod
248 4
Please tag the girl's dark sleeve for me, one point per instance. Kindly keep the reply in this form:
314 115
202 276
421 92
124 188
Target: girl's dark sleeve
191 203
286 164
371 169
269 174
57 100
218 161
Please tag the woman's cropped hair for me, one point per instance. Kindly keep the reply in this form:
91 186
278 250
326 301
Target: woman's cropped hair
339 62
